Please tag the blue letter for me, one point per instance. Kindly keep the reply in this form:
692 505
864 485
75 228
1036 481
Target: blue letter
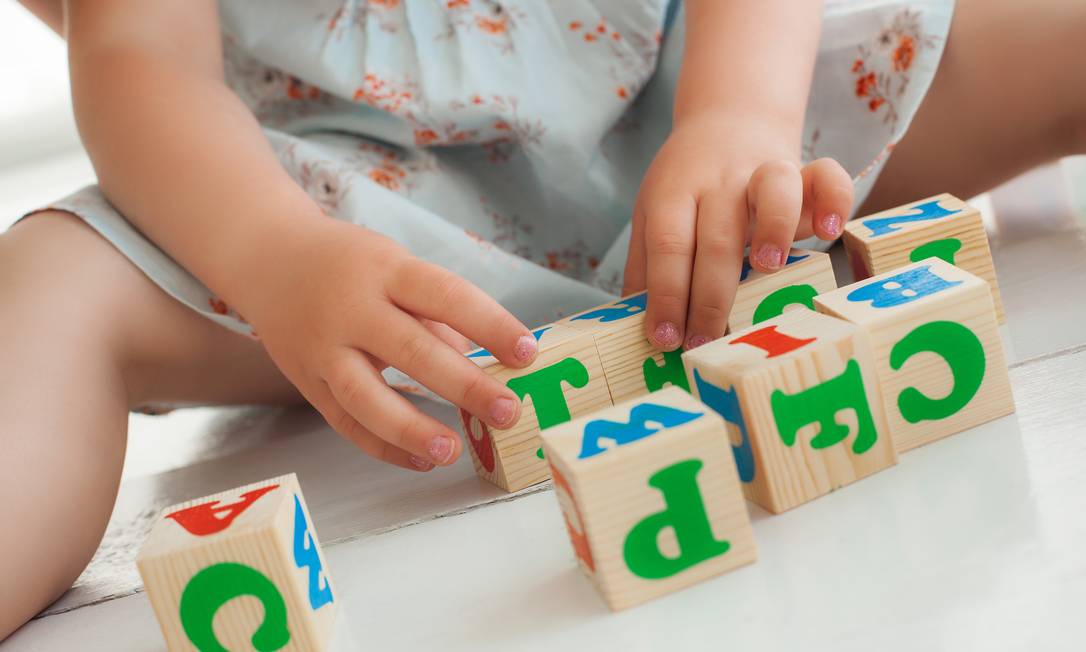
928 211
625 433
907 286
726 403
616 311
305 554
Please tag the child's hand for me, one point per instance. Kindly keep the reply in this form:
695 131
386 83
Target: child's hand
712 178
338 303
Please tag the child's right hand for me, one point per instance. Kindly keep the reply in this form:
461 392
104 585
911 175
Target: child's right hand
337 303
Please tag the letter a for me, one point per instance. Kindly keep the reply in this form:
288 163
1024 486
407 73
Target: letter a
206 519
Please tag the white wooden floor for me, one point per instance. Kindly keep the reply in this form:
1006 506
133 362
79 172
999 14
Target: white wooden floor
975 542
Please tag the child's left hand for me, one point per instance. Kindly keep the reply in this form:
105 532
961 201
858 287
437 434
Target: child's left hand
717 184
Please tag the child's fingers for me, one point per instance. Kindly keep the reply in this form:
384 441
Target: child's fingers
454 339
669 259
827 197
407 345
633 277
433 292
379 410
722 219
775 197
321 397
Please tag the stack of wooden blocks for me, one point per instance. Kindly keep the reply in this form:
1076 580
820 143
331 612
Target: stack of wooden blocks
809 400
652 453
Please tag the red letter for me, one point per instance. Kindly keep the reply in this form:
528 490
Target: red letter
772 342
483 445
204 519
578 539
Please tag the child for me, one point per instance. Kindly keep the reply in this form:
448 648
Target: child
429 169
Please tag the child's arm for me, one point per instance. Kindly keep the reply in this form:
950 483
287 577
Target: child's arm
732 160
180 155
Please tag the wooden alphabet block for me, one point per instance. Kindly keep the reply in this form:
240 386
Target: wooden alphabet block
238 570
650 496
803 410
763 296
942 226
566 380
938 355
631 365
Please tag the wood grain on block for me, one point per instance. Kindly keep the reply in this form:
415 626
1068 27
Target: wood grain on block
938 353
650 496
762 296
799 397
238 570
565 380
942 226
631 364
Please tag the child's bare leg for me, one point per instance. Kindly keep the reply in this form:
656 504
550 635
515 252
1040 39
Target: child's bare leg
84 336
1009 95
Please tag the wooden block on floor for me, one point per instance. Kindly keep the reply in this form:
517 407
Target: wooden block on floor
566 380
942 226
650 496
799 395
238 570
763 296
938 354
631 364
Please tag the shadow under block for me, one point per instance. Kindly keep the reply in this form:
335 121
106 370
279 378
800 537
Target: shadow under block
566 380
650 496
938 353
763 296
942 226
631 364
238 570
800 399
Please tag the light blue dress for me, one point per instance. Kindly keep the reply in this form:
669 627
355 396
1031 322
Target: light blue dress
505 139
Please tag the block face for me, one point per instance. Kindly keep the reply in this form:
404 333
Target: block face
763 296
943 226
631 364
650 496
938 354
240 568
800 400
566 380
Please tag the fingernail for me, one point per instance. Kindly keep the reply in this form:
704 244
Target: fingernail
666 334
421 464
831 224
525 348
441 449
696 341
769 256
502 410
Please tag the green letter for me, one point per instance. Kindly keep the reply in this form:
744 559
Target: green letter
964 354
685 514
216 585
672 371
775 302
820 404
944 249
545 387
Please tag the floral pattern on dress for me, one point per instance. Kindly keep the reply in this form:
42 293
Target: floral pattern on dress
882 67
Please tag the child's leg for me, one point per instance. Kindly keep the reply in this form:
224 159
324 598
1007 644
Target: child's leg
1009 95
84 336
